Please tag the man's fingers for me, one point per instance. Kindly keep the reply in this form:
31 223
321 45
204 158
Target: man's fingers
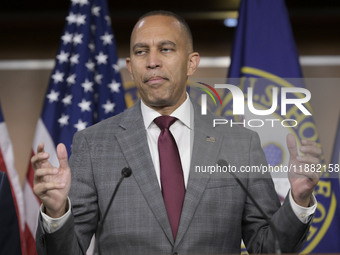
45 171
41 147
309 174
307 148
312 149
40 160
308 142
292 147
62 156
41 188
39 157
309 159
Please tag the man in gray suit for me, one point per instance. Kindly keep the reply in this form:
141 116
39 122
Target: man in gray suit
216 214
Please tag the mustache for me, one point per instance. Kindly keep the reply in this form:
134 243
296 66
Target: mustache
149 76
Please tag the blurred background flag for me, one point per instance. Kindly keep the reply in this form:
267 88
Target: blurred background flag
264 56
11 198
264 40
329 195
85 88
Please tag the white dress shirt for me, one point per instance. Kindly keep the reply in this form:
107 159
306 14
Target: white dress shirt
182 130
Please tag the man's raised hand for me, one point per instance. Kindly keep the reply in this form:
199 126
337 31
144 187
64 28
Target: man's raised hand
52 184
303 177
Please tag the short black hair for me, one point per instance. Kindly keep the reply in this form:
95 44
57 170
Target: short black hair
179 18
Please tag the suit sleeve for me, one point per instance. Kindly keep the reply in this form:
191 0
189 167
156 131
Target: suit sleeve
256 233
75 235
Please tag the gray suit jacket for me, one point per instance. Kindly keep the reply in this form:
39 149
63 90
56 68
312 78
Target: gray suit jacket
216 212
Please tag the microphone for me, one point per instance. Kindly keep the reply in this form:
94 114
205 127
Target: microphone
126 172
277 248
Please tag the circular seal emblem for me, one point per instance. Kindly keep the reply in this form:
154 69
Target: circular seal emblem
273 137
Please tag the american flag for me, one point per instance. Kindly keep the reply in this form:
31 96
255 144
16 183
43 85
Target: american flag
85 87
7 166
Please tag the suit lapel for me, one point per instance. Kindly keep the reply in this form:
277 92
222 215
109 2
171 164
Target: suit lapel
205 150
134 145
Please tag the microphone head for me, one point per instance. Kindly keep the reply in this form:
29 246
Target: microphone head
222 162
126 172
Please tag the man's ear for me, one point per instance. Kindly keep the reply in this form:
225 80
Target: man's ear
128 66
193 62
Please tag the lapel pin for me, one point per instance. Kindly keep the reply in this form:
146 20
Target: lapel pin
210 139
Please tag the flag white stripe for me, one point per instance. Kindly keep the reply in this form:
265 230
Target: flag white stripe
32 208
42 135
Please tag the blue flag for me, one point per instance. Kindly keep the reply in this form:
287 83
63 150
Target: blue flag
85 85
329 208
265 56
264 40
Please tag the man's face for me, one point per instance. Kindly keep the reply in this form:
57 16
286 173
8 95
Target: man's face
161 61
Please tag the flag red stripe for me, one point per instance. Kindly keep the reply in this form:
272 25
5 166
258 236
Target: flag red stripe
29 236
30 241
30 172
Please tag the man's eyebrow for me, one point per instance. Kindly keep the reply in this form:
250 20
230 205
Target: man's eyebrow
139 45
171 43
145 45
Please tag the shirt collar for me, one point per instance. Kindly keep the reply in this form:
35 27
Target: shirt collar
181 113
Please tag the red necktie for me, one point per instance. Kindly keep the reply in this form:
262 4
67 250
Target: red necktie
172 180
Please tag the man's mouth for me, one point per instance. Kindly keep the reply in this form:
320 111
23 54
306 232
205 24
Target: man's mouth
155 80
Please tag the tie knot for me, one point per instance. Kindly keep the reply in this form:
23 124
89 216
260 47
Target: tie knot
164 121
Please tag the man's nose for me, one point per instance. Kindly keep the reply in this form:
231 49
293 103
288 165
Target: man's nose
153 60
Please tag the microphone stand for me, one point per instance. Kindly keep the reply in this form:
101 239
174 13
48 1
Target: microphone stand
277 248
126 172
